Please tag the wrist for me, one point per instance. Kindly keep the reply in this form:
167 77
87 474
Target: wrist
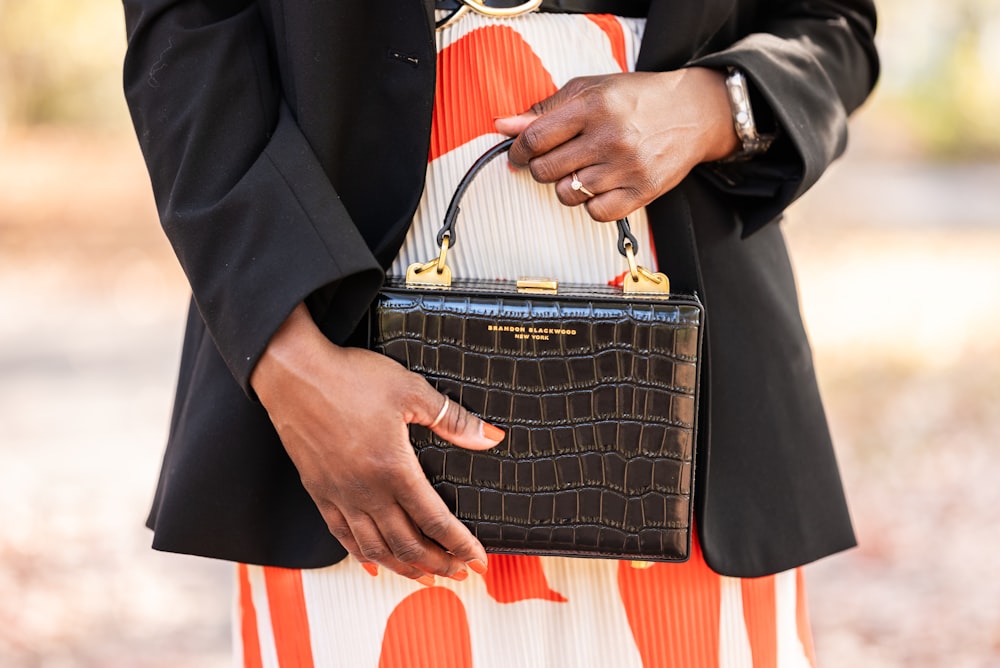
289 352
720 139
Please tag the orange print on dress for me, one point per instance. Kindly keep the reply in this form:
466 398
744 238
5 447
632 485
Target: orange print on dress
512 578
289 618
248 622
673 611
760 613
428 629
488 74
616 36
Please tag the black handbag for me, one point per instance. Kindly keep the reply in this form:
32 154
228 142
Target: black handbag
596 387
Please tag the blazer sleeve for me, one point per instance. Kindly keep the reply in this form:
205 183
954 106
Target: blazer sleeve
246 205
810 63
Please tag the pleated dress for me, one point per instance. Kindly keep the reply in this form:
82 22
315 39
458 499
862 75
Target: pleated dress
525 611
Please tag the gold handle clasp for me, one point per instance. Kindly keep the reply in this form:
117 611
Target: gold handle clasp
435 273
642 281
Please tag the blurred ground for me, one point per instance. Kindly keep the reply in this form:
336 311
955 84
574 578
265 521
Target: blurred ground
899 266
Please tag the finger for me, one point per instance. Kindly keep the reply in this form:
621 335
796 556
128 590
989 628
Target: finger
573 155
411 547
430 514
548 131
542 135
514 125
614 204
583 185
339 528
373 548
450 421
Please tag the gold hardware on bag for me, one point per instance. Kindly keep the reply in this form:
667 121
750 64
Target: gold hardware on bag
435 273
538 286
639 280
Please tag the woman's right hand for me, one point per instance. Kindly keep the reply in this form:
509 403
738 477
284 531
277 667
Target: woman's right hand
342 415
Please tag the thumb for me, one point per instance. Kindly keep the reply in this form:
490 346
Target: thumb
458 426
514 125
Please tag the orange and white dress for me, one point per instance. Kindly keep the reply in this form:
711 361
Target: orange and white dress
525 611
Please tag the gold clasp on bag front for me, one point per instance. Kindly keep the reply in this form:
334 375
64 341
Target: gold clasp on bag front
537 286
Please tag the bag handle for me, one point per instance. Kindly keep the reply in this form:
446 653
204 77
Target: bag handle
638 280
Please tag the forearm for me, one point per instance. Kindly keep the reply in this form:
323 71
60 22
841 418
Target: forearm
811 64
242 198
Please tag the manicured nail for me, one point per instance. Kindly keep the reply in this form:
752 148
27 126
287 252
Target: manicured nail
371 568
460 576
477 566
491 433
427 580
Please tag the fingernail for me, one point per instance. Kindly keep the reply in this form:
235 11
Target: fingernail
427 580
371 568
491 433
477 566
460 575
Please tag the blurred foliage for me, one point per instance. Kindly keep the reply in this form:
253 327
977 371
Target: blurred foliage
940 81
60 63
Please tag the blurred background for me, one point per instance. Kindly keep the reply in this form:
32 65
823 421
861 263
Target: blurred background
898 256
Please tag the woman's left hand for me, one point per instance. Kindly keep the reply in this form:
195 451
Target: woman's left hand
628 137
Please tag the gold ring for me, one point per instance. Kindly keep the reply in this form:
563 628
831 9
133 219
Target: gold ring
578 185
444 409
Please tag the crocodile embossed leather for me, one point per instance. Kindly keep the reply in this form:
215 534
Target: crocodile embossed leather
597 393
596 387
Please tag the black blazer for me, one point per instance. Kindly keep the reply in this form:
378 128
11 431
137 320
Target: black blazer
287 144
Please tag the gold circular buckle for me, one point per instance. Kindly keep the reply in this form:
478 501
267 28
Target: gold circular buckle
503 12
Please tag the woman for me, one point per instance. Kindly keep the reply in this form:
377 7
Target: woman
288 149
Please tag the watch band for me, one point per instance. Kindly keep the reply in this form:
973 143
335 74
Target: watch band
752 142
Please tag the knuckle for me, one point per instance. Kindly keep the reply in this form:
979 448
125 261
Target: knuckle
642 186
530 140
565 197
413 390
542 170
374 551
340 531
601 212
594 99
408 551
437 525
413 385
459 419
575 85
